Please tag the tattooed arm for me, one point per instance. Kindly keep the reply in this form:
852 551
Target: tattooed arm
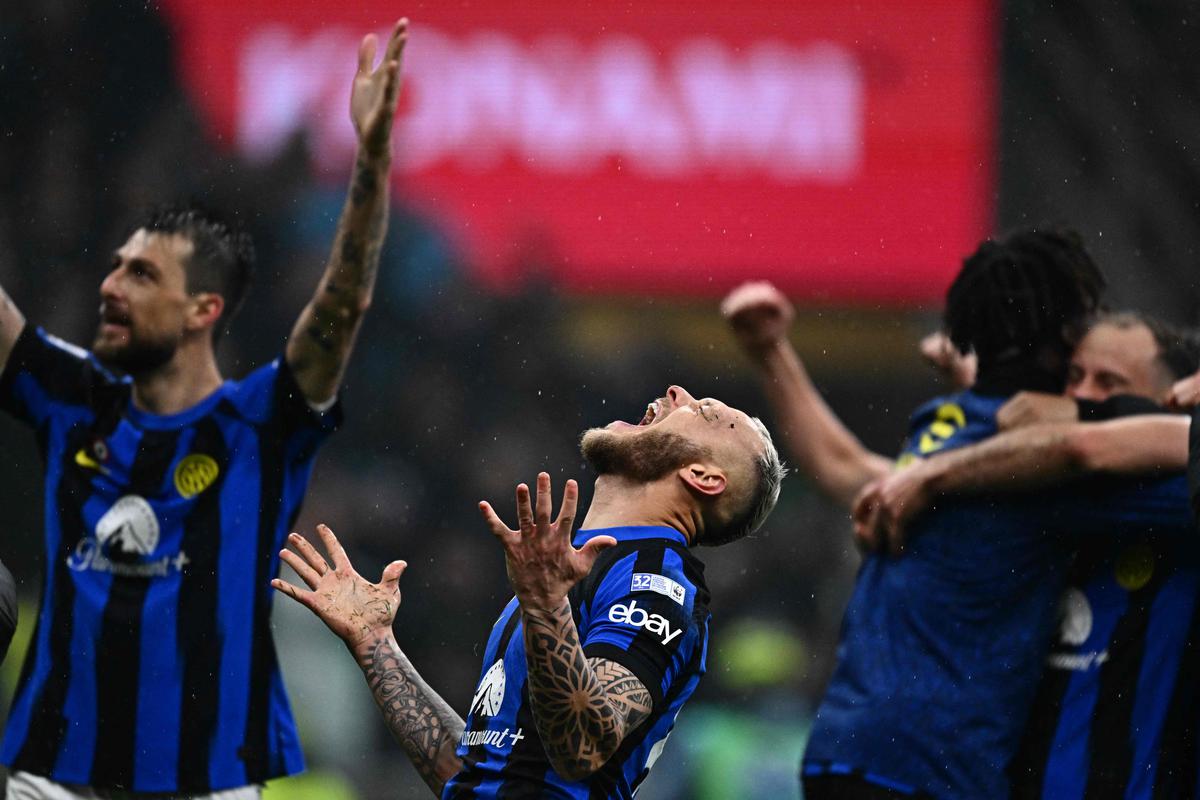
361 614
12 322
321 341
419 719
583 708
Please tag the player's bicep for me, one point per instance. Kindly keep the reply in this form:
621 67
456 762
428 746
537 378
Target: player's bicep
627 695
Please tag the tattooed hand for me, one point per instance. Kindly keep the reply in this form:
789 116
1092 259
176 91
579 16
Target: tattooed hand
373 96
542 565
353 608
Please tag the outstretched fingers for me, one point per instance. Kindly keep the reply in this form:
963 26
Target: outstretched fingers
309 553
307 574
494 523
524 510
566 514
334 548
366 54
391 575
544 501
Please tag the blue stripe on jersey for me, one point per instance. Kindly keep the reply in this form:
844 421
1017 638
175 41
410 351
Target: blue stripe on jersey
1166 637
87 619
236 599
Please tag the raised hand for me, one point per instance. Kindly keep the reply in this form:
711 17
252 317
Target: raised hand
759 314
350 605
941 354
542 564
373 95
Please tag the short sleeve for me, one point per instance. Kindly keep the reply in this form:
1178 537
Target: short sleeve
269 396
43 372
645 615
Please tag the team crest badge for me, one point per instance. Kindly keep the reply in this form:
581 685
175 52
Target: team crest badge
194 474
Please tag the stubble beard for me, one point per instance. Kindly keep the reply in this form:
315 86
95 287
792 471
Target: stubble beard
135 356
642 457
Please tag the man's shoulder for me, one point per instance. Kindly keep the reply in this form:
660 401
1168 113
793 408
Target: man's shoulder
951 421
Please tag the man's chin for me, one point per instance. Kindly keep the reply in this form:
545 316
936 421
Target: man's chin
130 359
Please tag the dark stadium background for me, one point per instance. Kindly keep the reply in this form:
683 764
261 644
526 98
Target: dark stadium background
463 384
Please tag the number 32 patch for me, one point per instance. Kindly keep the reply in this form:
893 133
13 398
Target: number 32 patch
649 582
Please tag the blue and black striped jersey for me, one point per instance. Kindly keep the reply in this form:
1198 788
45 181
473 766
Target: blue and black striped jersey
644 605
152 668
1116 711
942 647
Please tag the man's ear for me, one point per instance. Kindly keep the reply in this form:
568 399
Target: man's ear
206 310
703 478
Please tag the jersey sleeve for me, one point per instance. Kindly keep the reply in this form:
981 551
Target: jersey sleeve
42 373
271 397
646 616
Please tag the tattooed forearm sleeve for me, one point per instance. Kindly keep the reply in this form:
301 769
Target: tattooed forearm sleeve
421 721
583 708
324 334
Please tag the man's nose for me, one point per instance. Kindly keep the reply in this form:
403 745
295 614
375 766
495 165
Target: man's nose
679 396
108 286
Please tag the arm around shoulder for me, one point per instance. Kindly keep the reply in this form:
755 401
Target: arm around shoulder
1131 446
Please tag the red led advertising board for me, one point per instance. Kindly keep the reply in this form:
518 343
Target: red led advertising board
843 150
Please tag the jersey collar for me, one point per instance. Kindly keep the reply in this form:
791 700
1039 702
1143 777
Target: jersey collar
631 533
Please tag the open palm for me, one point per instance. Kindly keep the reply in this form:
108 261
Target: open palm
350 605
373 95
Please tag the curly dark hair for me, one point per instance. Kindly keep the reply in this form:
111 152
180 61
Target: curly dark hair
1034 288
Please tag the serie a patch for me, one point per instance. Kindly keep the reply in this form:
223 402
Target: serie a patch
650 582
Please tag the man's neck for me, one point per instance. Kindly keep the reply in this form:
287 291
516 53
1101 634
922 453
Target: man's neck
176 386
619 502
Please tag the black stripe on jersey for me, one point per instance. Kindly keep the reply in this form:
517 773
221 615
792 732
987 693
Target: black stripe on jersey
255 750
1111 741
47 725
196 636
119 647
1027 772
466 788
1175 776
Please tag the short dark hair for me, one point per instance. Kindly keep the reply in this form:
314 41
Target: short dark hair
222 259
769 472
1178 348
1013 296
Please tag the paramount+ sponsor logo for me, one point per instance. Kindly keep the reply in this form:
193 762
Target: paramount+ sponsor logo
640 618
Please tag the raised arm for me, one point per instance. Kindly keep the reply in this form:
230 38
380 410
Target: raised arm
361 614
583 708
12 322
1027 458
825 450
321 341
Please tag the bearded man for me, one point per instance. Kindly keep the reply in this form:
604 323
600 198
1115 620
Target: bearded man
588 665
